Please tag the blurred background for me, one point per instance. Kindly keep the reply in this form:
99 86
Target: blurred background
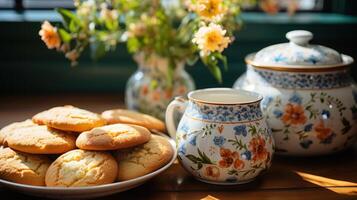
28 67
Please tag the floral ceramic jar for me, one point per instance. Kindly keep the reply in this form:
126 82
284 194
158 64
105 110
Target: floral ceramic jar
148 90
222 137
310 100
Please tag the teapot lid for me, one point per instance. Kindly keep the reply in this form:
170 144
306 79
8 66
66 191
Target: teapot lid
298 53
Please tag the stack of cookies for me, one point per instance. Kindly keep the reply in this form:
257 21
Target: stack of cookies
71 147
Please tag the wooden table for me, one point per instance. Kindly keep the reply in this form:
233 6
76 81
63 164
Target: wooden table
327 178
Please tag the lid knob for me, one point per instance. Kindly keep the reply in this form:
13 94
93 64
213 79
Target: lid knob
299 37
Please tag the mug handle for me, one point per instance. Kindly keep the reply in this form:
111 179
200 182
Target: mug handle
180 104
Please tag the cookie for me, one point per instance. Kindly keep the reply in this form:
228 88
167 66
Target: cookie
9 129
22 167
39 139
132 117
78 168
144 159
112 137
69 118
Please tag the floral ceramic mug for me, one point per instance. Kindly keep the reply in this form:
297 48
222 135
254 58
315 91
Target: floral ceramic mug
222 137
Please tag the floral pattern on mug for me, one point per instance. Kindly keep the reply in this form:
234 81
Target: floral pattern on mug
245 153
257 147
323 133
301 117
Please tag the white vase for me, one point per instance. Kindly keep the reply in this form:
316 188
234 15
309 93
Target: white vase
149 91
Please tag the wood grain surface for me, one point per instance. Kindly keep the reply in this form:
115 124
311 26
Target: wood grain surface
290 178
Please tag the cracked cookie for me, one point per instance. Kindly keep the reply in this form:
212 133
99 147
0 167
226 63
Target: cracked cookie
22 167
112 137
144 159
78 168
9 129
36 139
69 118
132 117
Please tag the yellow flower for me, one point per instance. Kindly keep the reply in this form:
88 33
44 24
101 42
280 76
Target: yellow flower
86 8
209 9
49 35
136 29
211 38
107 14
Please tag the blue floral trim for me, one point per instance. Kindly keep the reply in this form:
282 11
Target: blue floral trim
224 113
301 80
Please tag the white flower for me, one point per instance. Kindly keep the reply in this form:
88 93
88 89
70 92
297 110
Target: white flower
211 39
107 14
86 8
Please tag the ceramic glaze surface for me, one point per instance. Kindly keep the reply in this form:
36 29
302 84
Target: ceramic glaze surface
148 90
224 144
310 99
309 113
297 52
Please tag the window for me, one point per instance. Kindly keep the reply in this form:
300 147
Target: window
35 4
304 5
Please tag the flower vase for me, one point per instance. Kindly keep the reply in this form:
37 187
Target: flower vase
149 90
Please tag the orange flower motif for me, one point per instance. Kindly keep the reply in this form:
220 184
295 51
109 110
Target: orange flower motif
156 95
322 132
226 162
212 171
238 164
294 114
144 90
49 35
225 152
229 158
220 128
168 94
257 146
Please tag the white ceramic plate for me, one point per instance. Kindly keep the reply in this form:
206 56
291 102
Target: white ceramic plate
88 192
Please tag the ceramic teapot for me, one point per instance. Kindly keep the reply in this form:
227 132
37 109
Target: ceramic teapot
310 99
222 137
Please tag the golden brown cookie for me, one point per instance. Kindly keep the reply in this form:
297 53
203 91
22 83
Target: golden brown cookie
9 129
144 159
80 168
69 118
112 137
22 167
39 139
132 117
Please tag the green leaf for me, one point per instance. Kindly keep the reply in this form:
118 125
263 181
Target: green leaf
65 36
204 157
223 59
133 45
192 60
170 74
68 17
200 153
347 126
154 84
199 166
216 72
193 158
73 27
